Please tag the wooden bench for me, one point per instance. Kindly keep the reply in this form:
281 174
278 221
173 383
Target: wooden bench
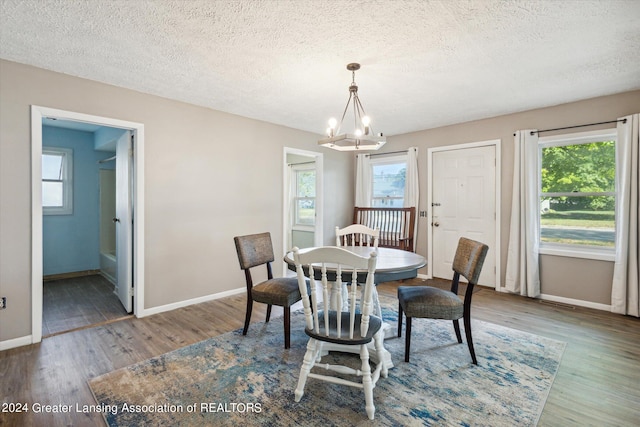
396 225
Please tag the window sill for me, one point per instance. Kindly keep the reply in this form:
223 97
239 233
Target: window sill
578 252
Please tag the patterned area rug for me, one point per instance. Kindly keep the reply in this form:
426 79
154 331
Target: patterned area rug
236 380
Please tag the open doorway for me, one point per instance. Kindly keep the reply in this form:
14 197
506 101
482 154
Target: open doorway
67 246
302 199
79 238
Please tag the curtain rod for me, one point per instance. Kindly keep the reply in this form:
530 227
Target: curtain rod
579 126
304 163
107 160
390 152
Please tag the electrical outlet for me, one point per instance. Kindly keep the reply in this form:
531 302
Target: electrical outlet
3 303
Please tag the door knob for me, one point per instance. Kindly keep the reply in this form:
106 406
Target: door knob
115 220
435 224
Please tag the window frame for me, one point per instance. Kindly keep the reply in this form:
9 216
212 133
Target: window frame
66 180
565 249
388 160
296 169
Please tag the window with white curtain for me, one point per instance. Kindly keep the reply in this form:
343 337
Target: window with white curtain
57 181
304 195
388 177
577 193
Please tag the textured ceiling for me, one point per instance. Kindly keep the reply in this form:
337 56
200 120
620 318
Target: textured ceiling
424 63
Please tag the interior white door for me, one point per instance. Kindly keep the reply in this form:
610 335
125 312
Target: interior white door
463 189
123 220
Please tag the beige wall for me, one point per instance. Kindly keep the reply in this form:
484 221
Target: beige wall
211 175
208 177
572 278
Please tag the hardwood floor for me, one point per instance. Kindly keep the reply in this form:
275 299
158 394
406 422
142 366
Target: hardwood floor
598 383
77 303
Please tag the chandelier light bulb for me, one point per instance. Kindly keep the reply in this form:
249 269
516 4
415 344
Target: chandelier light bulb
358 132
333 122
365 122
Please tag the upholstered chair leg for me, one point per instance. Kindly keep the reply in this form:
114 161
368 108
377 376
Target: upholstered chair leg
367 382
287 327
456 327
305 369
247 317
407 340
399 320
467 332
268 313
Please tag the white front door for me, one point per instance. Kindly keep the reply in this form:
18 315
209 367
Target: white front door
464 205
123 221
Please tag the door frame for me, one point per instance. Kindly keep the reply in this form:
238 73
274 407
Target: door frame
137 129
498 173
318 236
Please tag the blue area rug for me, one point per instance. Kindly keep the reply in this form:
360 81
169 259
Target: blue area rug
236 380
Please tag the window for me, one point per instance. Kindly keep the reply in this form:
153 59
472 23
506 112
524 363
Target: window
305 196
388 179
578 193
57 174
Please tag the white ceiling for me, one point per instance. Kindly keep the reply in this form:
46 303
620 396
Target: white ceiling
424 63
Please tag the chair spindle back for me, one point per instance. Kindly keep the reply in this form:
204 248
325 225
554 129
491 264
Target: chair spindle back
328 268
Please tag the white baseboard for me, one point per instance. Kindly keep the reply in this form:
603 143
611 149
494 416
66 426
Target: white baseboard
185 303
27 340
16 342
576 302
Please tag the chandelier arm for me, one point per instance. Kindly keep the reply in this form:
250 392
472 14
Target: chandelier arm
362 112
343 114
360 107
355 113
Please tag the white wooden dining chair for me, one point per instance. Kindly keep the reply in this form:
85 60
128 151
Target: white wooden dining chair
357 235
327 323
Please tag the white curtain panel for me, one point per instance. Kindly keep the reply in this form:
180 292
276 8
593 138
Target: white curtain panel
412 188
625 287
523 267
363 181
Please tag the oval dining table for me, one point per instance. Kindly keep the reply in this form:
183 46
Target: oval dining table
392 264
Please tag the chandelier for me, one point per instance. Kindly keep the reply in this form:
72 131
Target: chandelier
362 137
